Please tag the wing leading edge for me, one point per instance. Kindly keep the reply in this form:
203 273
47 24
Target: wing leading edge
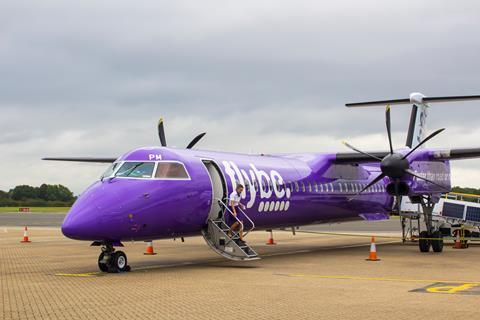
81 159
440 154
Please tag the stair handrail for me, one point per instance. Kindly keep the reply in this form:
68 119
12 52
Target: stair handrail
246 232
249 220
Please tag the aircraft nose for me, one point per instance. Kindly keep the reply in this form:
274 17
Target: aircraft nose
79 223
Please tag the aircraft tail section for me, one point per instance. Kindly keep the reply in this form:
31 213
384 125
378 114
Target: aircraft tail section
417 129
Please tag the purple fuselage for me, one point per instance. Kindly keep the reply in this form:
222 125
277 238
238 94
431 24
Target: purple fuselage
281 191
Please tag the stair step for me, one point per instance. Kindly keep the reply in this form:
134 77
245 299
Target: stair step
229 247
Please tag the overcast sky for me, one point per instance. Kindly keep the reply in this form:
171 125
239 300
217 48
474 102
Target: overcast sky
93 77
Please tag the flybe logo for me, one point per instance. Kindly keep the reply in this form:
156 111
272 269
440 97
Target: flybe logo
422 125
272 193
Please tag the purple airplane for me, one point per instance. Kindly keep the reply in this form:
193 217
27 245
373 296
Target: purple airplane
160 192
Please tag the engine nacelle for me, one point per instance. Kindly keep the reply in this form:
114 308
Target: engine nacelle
402 187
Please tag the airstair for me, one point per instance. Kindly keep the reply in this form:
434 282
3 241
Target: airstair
230 247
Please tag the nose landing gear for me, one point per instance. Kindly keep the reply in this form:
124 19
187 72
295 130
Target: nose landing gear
112 261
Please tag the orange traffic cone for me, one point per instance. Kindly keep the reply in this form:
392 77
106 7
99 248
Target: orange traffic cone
459 244
373 251
270 239
25 236
149 250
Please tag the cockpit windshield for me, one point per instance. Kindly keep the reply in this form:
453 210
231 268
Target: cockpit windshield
109 172
136 170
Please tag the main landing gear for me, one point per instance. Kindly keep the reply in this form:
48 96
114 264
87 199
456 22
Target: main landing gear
112 261
431 237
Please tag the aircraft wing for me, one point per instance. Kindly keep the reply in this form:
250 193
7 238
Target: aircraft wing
82 159
440 154
353 157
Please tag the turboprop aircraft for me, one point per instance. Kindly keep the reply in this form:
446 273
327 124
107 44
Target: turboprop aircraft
162 192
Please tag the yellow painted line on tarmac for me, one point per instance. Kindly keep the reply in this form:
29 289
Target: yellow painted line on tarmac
364 235
344 277
80 275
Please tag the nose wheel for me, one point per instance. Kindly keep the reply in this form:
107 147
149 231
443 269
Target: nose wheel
112 261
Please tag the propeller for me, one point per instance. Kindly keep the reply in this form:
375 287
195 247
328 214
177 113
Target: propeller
163 140
161 133
394 165
195 140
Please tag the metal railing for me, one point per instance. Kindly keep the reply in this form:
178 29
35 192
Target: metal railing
463 197
245 232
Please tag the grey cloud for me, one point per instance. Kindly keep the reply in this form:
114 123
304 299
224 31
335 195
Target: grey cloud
93 77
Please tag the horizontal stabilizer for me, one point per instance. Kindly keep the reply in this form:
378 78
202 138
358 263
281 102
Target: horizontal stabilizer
82 159
415 98
456 154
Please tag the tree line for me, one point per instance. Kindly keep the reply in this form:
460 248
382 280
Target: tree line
466 190
46 195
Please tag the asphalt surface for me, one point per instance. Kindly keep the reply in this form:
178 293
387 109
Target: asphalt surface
302 277
31 219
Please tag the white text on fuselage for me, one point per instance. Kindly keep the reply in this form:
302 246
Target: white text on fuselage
274 196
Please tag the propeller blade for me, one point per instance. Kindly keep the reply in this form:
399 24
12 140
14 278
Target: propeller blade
360 151
423 141
195 140
389 128
380 177
412 173
161 133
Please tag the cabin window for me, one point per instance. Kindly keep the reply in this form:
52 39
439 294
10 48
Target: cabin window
303 187
171 170
331 187
142 170
316 187
321 187
297 188
309 187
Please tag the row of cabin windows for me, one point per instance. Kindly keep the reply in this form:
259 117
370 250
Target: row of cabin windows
314 187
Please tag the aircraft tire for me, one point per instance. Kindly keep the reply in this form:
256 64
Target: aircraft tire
437 245
424 244
118 262
102 265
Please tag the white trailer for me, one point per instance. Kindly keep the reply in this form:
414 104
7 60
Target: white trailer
451 215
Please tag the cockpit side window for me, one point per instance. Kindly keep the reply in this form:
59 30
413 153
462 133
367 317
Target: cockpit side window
142 170
171 170
111 169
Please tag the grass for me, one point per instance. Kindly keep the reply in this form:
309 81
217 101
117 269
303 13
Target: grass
37 209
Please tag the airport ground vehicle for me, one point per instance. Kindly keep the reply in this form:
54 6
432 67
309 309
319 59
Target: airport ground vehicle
455 214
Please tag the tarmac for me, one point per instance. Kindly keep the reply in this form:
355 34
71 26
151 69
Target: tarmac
306 276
